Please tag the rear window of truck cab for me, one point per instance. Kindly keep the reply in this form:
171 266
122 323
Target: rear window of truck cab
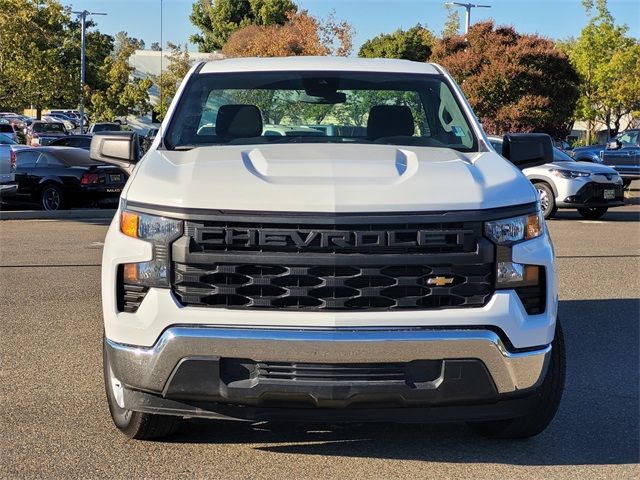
319 107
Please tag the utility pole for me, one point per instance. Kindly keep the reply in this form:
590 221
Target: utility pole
83 40
468 7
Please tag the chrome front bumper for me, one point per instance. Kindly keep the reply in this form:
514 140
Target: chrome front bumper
150 368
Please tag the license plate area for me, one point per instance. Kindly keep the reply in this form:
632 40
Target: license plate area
609 194
115 177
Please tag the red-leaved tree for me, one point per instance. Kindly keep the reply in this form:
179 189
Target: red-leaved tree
514 82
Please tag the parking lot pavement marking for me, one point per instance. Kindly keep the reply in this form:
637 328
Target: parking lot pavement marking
591 221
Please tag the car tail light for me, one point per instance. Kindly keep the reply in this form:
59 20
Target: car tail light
12 161
88 178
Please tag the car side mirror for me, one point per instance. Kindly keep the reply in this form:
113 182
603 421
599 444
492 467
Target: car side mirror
614 145
121 149
527 150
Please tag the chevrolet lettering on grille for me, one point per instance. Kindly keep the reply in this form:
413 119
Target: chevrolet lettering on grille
254 237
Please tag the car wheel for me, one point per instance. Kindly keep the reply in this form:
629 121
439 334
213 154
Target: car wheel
626 183
52 198
548 395
547 200
592 213
138 425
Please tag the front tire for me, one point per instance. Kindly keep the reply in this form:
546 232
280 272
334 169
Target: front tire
52 198
592 213
136 425
547 200
549 395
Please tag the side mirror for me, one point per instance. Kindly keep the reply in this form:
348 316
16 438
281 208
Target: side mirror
614 145
527 150
121 149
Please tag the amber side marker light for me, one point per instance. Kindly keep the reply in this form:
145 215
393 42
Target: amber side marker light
129 224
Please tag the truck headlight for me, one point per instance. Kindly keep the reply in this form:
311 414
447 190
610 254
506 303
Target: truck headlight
563 173
160 232
516 229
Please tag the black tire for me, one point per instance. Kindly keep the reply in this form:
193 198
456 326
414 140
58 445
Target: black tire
549 395
137 425
626 183
592 213
547 199
52 198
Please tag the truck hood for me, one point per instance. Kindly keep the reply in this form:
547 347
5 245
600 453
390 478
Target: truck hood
327 178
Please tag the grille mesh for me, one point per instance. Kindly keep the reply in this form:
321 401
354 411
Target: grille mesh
332 287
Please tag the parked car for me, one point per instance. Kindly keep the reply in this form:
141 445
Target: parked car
61 177
66 119
9 130
77 141
147 140
104 127
8 185
42 133
621 153
564 183
68 124
402 275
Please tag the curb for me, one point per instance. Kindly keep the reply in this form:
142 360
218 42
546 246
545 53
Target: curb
78 214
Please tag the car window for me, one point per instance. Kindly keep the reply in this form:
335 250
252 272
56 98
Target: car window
26 158
6 128
560 156
497 145
5 140
48 127
628 139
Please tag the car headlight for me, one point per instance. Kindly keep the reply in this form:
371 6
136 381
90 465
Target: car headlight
516 229
560 172
160 232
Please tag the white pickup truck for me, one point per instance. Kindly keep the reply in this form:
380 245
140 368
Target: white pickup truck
401 274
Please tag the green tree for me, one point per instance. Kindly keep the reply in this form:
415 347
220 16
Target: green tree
514 82
40 55
218 19
170 78
34 56
608 62
124 94
452 23
413 44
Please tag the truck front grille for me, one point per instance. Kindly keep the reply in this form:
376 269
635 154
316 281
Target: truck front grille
331 287
333 263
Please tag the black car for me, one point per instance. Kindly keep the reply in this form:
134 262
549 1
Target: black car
77 141
62 177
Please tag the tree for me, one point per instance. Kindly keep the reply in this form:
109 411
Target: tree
123 40
302 34
413 44
169 79
34 62
514 82
123 95
218 19
608 62
155 47
452 24
40 55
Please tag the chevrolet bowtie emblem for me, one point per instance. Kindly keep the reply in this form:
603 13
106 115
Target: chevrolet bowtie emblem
439 281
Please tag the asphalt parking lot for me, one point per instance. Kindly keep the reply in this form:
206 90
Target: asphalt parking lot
54 420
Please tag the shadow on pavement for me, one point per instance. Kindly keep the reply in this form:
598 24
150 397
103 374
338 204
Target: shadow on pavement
597 422
621 214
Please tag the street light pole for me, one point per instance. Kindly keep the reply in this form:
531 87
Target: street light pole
467 7
83 42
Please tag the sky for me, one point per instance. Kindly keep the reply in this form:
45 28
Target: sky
557 19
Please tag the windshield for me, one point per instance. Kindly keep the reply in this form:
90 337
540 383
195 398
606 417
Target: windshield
48 127
560 156
319 107
4 140
106 127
